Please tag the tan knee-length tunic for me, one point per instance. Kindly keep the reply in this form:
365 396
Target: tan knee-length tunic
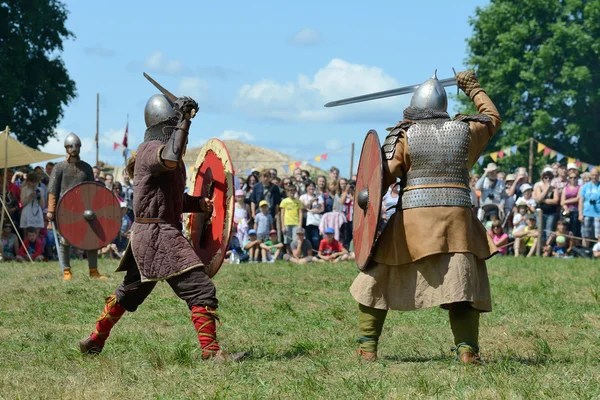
431 256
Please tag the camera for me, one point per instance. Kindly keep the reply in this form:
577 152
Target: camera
38 195
593 202
490 196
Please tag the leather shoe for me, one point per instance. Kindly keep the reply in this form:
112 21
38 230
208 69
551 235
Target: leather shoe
89 346
367 355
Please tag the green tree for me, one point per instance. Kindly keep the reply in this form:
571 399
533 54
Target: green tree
539 60
34 81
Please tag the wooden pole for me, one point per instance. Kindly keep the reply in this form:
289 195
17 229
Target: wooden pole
540 229
531 143
5 171
97 125
351 160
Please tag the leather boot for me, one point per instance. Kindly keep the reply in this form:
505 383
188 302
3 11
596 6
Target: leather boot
90 346
367 355
220 356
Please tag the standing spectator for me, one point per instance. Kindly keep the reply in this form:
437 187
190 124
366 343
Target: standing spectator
314 207
32 214
291 215
347 228
589 206
511 197
569 202
248 188
501 175
555 167
42 182
97 175
265 190
271 249
548 200
389 202
10 246
49 168
263 221
302 250
13 195
128 193
305 175
585 178
527 198
241 216
125 232
117 190
332 190
334 174
300 181
34 247
561 179
493 190
273 172
342 185
572 168
321 184
499 237
330 249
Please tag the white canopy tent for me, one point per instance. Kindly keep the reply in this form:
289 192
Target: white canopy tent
16 154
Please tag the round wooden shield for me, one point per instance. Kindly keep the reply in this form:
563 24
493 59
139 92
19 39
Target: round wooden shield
213 178
88 216
367 200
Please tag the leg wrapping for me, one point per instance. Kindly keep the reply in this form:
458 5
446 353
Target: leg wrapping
464 321
370 325
113 311
204 319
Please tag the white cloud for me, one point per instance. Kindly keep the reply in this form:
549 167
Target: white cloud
304 99
333 144
157 63
236 135
195 88
306 37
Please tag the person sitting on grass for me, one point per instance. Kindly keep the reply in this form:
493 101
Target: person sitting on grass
301 248
330 249
10 245
271 249
526 238
562 229
34 247
560 249
252 246
499 237
234 244
596 248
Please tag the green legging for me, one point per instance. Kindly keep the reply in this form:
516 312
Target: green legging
464 321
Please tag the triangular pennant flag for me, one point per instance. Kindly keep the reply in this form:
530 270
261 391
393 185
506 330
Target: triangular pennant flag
248 172
584 166
570 160
318 158
191 168
125 137
507 151
578 163
292 166
304 163
324 157
547 151
559 156
513 149
590 168
284 168
553 153
298 164
494 156
480 160
115 146
501 154
541 147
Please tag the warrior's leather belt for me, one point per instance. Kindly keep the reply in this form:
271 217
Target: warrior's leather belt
436 186
140 220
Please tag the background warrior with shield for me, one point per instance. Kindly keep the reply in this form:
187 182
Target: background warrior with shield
158 250
432 250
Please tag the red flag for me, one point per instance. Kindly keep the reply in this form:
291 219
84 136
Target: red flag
324 157
578 163
501 154
298 164
547 151
125 136
115 146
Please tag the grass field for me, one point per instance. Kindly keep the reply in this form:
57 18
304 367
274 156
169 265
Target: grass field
542 340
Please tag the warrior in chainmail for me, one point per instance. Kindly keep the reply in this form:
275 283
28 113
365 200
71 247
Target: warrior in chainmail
433 250
65 175
158 250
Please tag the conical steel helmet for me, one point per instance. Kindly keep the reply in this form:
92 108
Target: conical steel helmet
158 109
72 140
430 94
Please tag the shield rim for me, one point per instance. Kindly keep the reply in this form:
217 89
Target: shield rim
219 256
60 200
377 205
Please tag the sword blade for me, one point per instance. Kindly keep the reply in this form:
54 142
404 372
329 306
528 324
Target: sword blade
164 91
386 93
57 244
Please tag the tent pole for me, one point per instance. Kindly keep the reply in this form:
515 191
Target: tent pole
5 171
4 208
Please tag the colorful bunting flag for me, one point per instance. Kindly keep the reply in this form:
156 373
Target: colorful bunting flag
540 147
590 168
298 164
115 146
248 172
494 156
501 154
304 163
559 156
324 157
578 163
292 166
285 168
570 160
547 151
507 151
480 160
553 153
126 133
584 166
513 149
318 158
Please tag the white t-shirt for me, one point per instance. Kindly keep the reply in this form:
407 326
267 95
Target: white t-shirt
519 221
531 202
596 247
312 219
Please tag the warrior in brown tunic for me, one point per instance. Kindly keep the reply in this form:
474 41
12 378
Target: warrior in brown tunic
433 250
158 250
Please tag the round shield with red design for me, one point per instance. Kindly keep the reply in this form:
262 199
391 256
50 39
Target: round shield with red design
213 178
367 200
88 216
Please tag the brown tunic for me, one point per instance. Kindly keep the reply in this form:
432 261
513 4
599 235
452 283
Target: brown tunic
159 249
431 256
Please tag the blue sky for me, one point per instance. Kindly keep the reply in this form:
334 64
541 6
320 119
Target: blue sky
261 71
